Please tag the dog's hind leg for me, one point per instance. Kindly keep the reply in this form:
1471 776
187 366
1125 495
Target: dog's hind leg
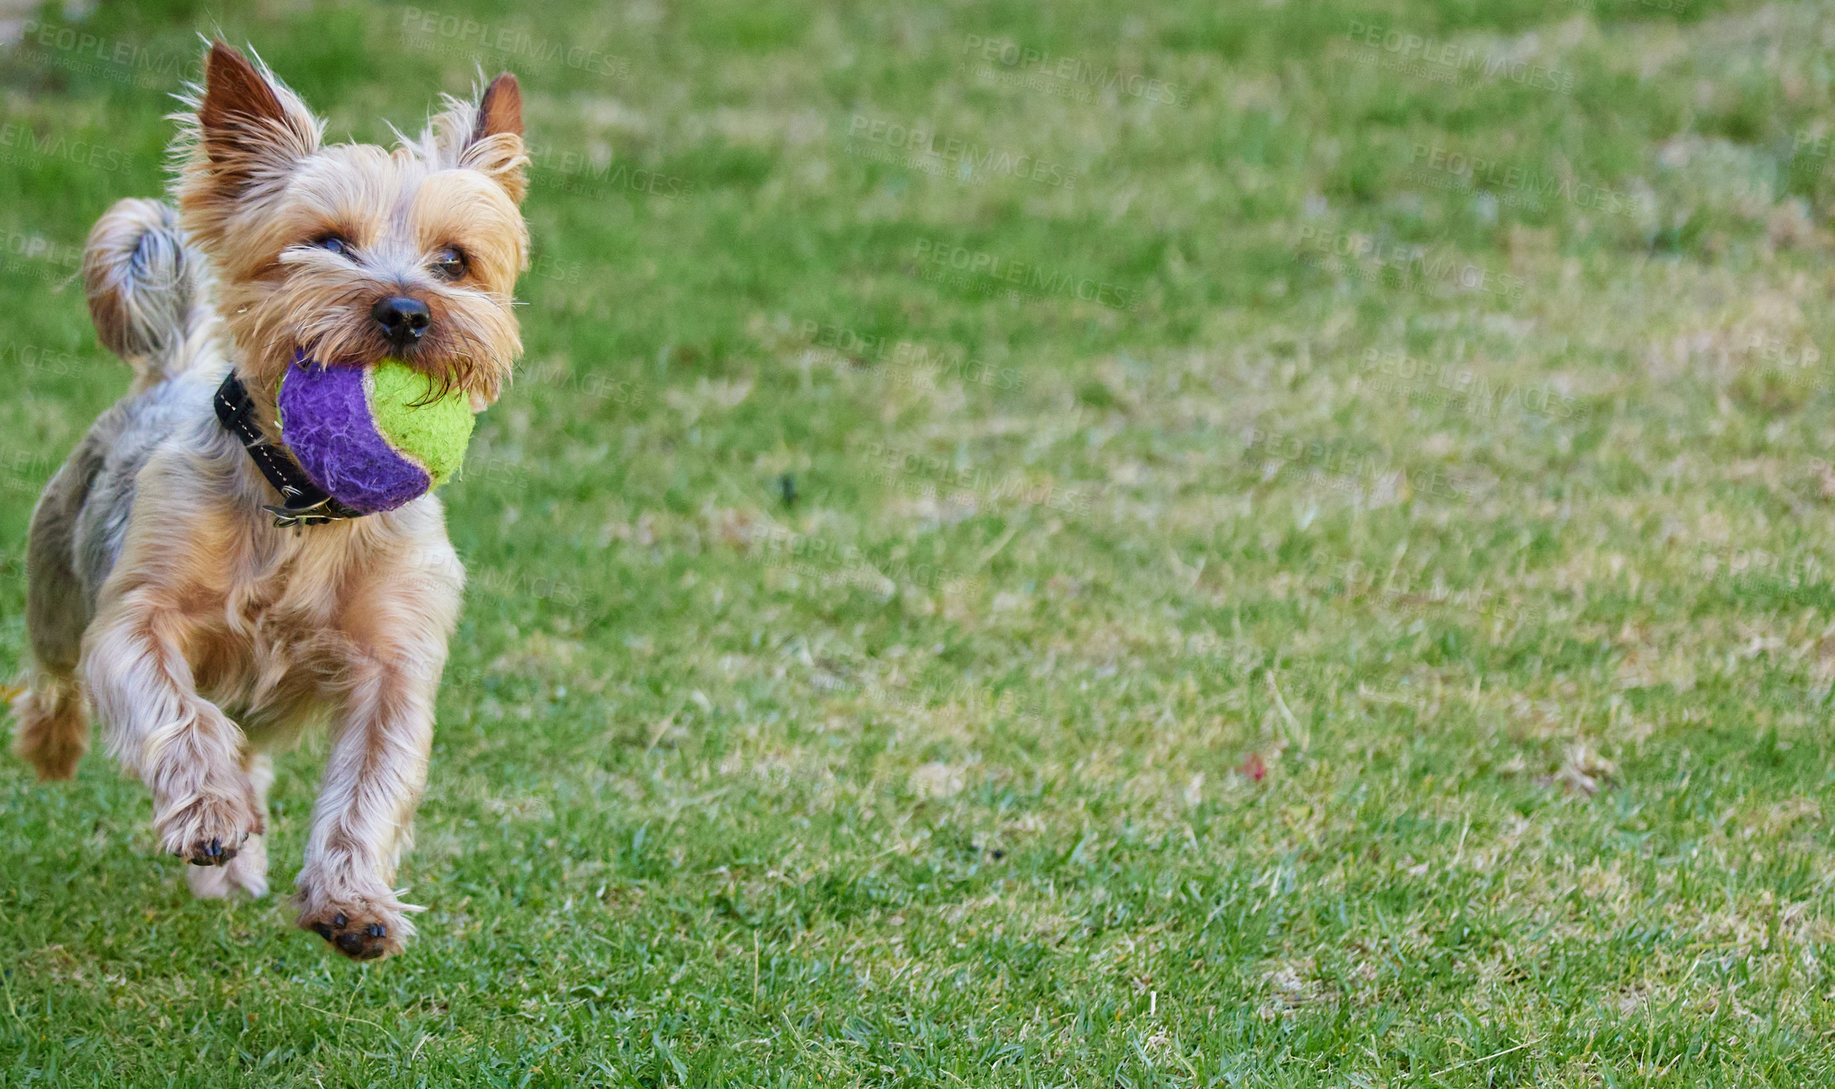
145 288
53 726
53 729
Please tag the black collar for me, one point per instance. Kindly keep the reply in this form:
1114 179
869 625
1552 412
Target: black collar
306 504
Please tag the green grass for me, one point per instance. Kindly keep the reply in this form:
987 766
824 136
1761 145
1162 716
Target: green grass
1441 430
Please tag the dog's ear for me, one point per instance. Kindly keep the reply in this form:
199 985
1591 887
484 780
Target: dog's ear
499 109
250 128
484 134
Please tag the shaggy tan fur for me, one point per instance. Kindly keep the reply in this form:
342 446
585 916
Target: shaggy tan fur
162 594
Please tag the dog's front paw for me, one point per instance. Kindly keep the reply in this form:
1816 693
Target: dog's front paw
360 927
207 830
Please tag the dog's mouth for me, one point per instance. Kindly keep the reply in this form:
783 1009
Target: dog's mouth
445 372
441 381
456 341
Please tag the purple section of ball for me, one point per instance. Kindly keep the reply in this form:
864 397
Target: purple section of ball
325 421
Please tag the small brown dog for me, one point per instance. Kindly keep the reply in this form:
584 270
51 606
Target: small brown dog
162 590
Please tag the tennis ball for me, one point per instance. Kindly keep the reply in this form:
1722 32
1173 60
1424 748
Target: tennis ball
373 437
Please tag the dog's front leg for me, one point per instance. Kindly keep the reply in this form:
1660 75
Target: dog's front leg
394 632
360 825
189 754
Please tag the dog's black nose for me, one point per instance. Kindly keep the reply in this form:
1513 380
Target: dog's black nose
402 319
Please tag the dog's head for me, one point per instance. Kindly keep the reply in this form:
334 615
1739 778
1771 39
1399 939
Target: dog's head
353 252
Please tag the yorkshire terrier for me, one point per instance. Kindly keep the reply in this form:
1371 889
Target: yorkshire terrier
175 588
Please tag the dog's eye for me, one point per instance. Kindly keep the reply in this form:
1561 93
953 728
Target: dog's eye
449 263
334 243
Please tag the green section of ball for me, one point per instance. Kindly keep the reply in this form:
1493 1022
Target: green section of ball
432 430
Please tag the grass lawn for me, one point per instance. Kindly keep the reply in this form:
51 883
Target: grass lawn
1308 563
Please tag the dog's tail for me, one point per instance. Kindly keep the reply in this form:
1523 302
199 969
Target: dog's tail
147 290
